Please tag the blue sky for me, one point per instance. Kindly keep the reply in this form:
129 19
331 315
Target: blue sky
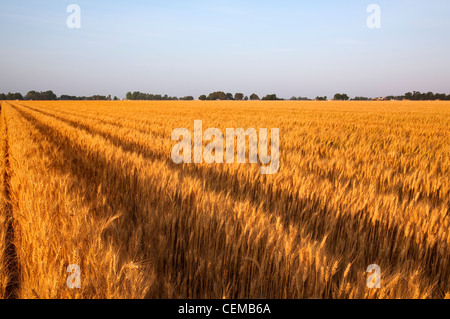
291 48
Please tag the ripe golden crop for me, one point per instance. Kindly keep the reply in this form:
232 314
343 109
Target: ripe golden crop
93 184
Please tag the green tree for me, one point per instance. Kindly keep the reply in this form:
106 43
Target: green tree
362 98
33 95
48 96
14 96
219 95
341 97
254 97
136 95
239 96
270 97
202 97
66 97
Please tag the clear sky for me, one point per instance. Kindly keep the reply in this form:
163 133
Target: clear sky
291 48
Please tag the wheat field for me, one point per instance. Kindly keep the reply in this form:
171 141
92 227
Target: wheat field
93 184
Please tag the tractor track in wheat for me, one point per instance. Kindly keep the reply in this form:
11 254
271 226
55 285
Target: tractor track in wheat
11 262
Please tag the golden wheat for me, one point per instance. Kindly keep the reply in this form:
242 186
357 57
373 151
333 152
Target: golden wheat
4 272
93 184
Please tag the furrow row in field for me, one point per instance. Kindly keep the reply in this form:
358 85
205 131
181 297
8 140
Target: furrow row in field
4 275
135 125
11 266
146 124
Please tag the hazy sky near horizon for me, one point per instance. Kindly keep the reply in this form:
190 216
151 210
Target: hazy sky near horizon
291 48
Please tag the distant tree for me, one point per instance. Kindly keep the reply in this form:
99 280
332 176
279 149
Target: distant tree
417 96
293 98
440 96
187 98
230 96
99 98
33 95
2 96
341 97
202 97
429 96
239 96
246 98
115 98
14 96
254 97
321 98
48 96
270 97
217 96
222 96
135 95
69 98
149 97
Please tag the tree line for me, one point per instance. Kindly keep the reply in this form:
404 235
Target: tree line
418 96
139 96
218 95
50 96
